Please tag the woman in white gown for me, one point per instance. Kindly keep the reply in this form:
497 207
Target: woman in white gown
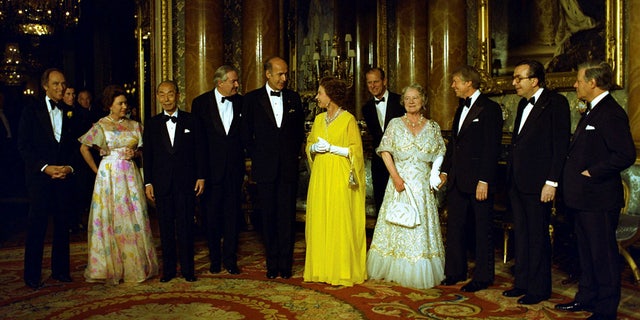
412 149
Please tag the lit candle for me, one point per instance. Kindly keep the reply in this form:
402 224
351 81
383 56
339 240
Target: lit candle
348 40
326 39
352 57
316 58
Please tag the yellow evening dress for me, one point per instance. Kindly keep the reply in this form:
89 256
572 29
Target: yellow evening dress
412 257
335 219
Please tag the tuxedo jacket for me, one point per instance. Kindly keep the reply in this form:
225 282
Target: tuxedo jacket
274 151
473 150
37 144
370 114
225 151
601 144
538 151
173 168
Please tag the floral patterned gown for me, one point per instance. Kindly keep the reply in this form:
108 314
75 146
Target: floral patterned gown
119 233
412 257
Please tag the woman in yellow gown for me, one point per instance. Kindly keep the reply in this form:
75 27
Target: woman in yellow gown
335 219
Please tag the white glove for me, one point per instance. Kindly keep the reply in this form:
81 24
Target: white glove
321 146
434 179
341 151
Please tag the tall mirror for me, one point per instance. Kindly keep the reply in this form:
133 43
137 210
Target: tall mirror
559 33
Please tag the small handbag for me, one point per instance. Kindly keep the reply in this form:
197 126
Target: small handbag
403 210
353 179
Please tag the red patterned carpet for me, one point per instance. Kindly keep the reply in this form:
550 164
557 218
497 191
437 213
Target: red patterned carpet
251 296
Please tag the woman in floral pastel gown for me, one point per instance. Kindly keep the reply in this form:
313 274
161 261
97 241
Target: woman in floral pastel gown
335 220
121 244
412 149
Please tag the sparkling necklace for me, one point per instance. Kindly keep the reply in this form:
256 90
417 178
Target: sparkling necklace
414 124
328 119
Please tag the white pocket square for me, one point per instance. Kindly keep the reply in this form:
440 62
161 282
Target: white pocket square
476 120
292 110
590 127
187 130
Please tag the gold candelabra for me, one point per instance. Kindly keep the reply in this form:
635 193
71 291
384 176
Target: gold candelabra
327 59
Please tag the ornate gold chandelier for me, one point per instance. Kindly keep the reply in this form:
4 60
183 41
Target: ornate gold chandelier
38 17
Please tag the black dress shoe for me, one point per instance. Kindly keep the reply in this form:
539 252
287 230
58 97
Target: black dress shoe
214 269
285 274
474 286
62 277
272 274
515 292
33 284
189 278
531 299
233 270
167 277
449 281
574 306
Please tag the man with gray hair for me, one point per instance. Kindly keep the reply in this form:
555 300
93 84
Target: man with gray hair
600 149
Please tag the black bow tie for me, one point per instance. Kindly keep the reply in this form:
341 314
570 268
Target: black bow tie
53 104
532 100
275 93
223 99
174 119
467 102
381 100
589 106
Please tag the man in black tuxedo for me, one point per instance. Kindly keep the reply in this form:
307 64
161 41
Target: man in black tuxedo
377 112
469 167
273 132
47 142
85 177
174 173
220 112
601 148
538 150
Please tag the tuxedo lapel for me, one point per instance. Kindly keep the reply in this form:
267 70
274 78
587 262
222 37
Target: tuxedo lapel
266 104
42 113
456 120
214 112
473 113
237 113
164 135
536 111
516 124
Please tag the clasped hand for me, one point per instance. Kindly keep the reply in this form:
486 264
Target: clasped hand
322 146
57 172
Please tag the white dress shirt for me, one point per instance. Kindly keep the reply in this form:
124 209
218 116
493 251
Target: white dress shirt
465 109
226 111
171 126
381 108
527 109
55 116
276 105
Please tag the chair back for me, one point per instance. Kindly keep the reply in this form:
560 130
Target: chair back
625 188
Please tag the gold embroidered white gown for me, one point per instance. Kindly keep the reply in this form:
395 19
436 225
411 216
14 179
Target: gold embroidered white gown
412 257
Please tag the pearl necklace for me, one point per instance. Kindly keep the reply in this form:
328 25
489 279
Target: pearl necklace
414 124
328 119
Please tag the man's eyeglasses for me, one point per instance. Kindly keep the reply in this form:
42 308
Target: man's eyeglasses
517 79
